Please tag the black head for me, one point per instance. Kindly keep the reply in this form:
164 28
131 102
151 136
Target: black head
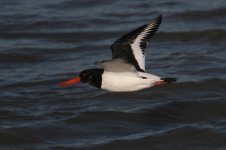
92 76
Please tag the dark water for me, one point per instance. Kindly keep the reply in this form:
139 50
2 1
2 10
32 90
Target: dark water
45 42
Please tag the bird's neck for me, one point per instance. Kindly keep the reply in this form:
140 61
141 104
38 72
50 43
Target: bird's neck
96 79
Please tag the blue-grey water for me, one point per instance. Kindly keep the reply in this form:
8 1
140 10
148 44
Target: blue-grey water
43 43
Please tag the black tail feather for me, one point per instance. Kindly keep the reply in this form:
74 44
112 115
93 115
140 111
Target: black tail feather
169 80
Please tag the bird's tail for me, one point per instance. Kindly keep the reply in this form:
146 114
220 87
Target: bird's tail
169 80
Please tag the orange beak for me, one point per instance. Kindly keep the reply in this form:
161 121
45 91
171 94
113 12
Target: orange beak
69 82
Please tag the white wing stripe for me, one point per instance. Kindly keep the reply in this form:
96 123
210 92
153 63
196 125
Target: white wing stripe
137 51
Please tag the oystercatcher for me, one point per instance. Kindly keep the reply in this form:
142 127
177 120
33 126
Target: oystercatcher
125 72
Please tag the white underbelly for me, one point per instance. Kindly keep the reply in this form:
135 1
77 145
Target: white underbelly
124 82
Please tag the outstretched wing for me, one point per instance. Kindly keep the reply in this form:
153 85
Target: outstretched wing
132 46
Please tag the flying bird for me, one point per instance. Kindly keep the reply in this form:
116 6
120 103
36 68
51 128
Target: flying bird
125 72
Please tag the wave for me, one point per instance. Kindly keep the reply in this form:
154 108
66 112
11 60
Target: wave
182 138
53 35
194 110
78 4
211 34
206 84
7 137
20 58
202 14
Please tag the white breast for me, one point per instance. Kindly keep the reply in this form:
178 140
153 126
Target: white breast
125 81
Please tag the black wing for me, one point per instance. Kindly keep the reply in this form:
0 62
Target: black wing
132 46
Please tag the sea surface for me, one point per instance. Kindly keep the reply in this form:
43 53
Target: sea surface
43 43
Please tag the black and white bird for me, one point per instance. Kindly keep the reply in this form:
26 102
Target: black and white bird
125 72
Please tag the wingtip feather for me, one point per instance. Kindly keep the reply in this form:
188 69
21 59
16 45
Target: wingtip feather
157 20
